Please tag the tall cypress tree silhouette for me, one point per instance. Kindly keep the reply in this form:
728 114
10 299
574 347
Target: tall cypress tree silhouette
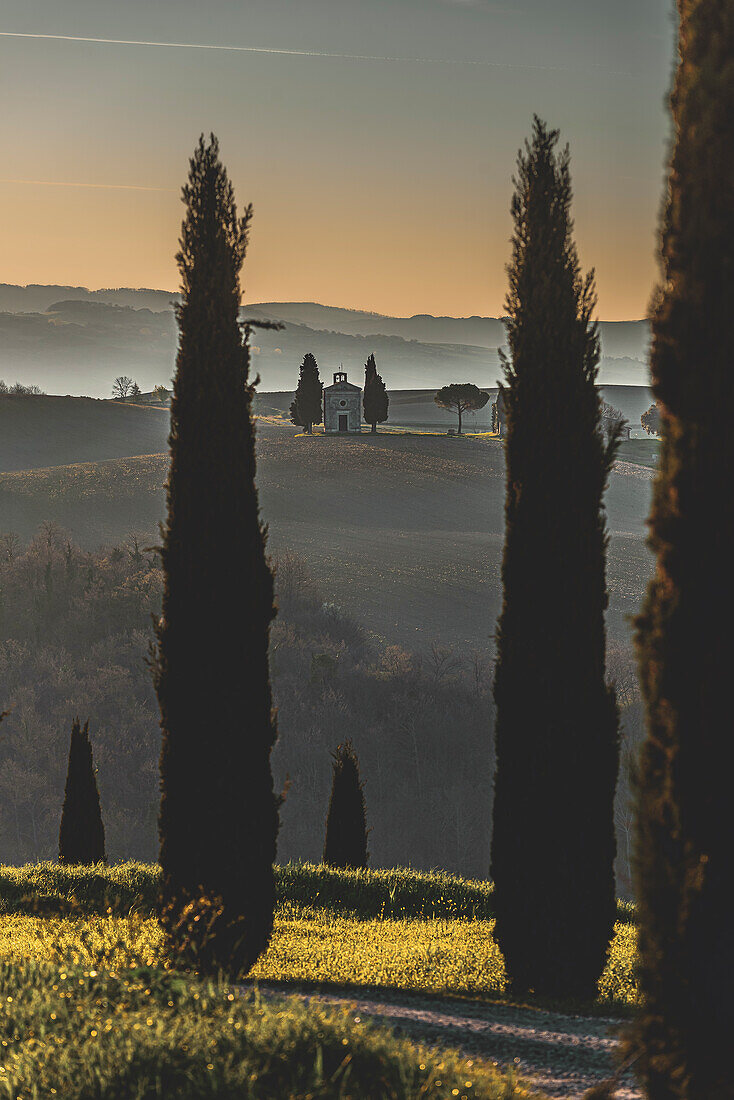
557 746
375 402
684 873
81 836
306 408
218 817
346 825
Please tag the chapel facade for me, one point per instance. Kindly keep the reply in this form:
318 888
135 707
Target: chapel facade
342 406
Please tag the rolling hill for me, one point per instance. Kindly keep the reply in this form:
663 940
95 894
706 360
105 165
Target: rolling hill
72 340
56 431
81 346
403 531
619 338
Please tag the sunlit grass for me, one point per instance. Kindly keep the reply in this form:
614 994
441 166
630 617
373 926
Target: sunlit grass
78 1033
436 956
398 892
83 941
448 957
398 929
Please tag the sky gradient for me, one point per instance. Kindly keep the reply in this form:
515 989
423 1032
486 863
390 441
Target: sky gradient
380 174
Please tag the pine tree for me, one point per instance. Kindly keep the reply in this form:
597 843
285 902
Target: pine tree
553 842
218 818
307 405
81 836
346 826
461 397
375 401
684 860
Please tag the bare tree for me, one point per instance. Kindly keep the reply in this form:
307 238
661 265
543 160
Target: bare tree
122 388
442 662
480 667
9 543
19 390
292 580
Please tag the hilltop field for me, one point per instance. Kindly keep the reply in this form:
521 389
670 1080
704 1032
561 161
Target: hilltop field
416 409
404 531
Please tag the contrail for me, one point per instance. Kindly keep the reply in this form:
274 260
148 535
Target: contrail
100 186
307 53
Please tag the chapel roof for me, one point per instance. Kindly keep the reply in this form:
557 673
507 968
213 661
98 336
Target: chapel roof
342 385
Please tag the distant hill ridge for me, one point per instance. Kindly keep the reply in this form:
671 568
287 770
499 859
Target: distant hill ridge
73 340
476 330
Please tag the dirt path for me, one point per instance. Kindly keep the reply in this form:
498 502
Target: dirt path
562 1055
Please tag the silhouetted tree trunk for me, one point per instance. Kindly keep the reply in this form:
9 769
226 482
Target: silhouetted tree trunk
557 746
346 826
81 836
218 817
684 857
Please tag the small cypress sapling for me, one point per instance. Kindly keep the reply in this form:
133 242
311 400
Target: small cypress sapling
81 836
346 825
306 408
375 401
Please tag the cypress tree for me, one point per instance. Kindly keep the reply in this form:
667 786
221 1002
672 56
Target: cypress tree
375 401
218 817
553 842
684 859
81 836
307 405
346 825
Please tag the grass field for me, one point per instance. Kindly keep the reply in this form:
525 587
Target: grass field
392 929
315 948
644 452
83 1033
88 1008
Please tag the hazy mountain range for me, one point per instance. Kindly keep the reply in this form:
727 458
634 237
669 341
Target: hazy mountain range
71 340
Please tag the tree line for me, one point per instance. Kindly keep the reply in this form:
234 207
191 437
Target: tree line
74 629
125 388
18 389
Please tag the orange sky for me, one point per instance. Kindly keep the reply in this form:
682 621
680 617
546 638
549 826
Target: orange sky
377 184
